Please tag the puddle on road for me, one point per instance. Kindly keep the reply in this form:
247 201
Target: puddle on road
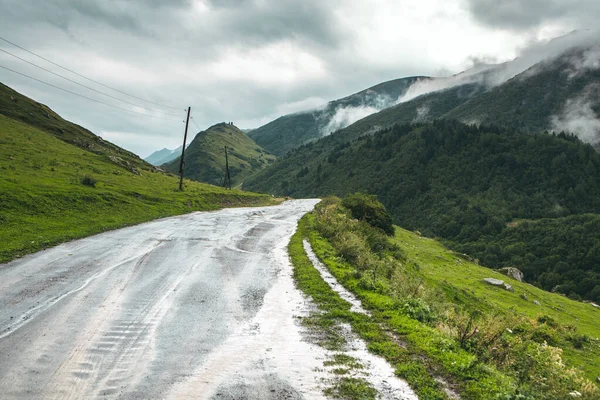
332 282
378 372
269 355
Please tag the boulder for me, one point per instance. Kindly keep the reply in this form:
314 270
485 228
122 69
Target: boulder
494 281
512 272
508 287
536 302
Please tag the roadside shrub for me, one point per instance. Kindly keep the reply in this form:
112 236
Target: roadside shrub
548 320
380 244
480 333
351 247
544 375
88 180
368 208
418 309
544 334
370 281
406 283
330 219
578 340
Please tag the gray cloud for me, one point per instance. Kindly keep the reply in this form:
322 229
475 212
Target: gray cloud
578 116
227 22
270 21
537 54
246 61
523 15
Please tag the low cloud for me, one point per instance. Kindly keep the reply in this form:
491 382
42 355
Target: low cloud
527 15
578 117
308 104
530 61
428 85
422 113
345 116
533 55
337 117
589 60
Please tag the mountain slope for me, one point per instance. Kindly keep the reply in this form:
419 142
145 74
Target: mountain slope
52 191
441 312
464 184
205 156
539 98
21 108
424 108
558 94
552 87
163 156
291 131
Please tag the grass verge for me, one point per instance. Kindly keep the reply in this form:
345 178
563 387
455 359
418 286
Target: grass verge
489 343
52 192
334 310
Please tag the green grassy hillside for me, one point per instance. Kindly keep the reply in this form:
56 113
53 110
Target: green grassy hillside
462 283
291 131
20 108
464 184
52 191
434 318
205 156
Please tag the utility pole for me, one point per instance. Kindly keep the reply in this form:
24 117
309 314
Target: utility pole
227 179
182 163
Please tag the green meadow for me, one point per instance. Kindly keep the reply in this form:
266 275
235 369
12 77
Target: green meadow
52 191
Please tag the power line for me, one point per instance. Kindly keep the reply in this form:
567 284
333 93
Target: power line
85 77
87 87
196 125
85 97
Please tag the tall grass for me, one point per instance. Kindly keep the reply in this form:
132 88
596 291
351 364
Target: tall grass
505 353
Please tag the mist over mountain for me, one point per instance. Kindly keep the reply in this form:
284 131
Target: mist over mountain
290 131
527 92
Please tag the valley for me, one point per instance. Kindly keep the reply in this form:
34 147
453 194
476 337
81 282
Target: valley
426 237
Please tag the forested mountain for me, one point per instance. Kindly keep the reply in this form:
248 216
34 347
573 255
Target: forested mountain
557 94
205 156
557 88
425 108
291 131
472 186
163 156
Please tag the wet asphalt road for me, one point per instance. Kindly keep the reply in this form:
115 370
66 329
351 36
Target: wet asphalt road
195 306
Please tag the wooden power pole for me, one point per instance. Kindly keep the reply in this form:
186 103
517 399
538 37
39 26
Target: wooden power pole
182 163
227 180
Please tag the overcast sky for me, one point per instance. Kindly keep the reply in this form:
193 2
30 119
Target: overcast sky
251 61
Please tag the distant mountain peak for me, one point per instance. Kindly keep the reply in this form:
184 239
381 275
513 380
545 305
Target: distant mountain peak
205 157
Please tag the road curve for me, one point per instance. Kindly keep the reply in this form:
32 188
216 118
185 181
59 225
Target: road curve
195 306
